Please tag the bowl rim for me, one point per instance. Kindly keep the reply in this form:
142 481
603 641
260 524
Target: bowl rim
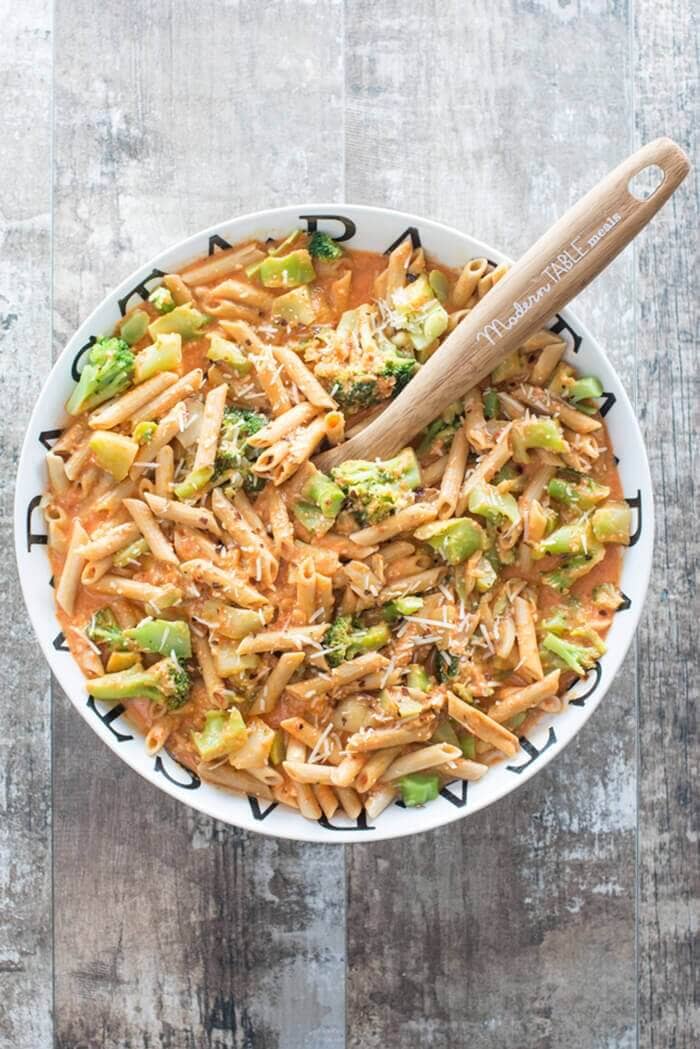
307 831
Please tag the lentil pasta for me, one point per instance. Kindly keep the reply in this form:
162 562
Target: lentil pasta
333 642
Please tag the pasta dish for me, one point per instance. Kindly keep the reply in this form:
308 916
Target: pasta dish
333 642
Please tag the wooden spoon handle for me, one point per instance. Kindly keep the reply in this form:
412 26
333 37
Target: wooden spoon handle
563 261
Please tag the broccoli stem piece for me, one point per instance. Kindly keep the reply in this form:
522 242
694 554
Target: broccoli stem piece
287 271
164 682
584 492
612 523
162 636
193 484
144 432
107 372
130 553
134 326
418 677
184 320
296 306
569 539
346 639
486 501
418 788
588 387
454 540
324 494
103 629
223 733
227 352
537 433
402 606
164 355
564 577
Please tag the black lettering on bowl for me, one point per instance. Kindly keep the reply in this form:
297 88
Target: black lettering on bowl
532 751
349 227
140 289
411 232
108 717
459 800
194 782
636 504
217 241
74 370
561 325
361 823
48 435
608 401
258 813
580 701
59 642
34 538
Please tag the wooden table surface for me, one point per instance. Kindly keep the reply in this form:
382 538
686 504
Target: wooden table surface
562 916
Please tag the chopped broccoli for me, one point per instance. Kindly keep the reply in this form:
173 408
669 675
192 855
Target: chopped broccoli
402 606
578 658
234 457
346 638
454 540
164 636
162 299
573 568
108 371
375 490
417 788
578 490
324 247
437 437
365 367
103 629
165 682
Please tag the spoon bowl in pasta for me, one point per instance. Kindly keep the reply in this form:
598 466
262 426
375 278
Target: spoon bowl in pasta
336 656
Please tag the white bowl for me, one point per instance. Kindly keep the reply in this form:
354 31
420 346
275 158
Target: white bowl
376 229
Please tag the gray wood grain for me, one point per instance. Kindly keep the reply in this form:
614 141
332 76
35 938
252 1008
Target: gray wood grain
25 353
172 931
565 915
516 926
666 99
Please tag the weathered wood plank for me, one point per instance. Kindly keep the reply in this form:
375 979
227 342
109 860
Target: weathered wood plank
666 102
516 926
25 749
173 931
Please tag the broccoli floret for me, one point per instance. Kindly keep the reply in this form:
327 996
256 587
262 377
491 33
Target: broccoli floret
103 629
399 367
234 457
366 368
375 490
574 657
354 391
324 247
346 638
107 372
437 437
165 682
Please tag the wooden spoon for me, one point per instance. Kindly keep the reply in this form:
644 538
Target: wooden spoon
563 261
